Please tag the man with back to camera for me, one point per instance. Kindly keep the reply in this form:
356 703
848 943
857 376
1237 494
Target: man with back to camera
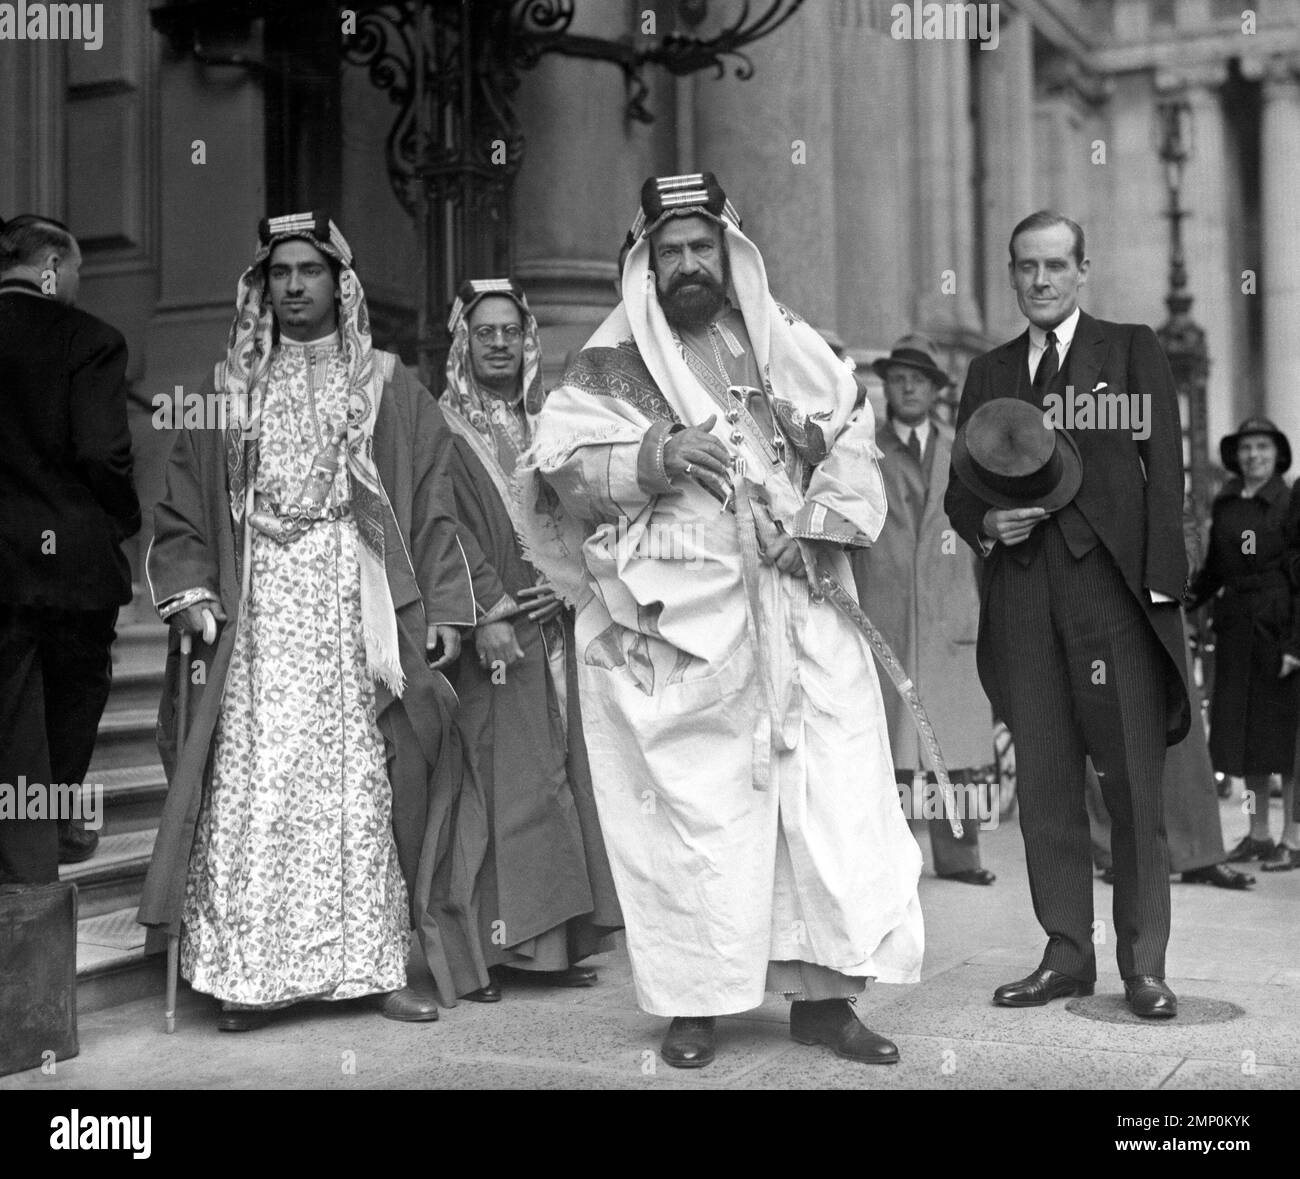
67 501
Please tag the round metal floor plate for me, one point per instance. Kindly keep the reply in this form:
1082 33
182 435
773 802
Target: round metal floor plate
1191 1010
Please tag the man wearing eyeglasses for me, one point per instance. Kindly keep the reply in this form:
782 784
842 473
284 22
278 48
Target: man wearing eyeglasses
542 898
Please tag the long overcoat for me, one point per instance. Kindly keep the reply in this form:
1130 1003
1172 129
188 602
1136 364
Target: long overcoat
920 585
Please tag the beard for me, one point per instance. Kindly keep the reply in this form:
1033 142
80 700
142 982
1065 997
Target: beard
692 301
504 385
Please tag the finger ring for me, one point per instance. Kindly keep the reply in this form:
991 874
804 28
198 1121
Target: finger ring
689 468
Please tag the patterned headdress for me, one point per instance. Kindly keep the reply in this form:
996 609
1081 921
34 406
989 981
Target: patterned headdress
486 423
486 413
243 377
696 194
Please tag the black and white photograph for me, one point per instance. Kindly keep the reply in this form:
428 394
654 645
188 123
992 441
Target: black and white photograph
648 545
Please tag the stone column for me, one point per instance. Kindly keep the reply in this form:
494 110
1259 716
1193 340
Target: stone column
209 215
873 118
577 190
32 127
1279 268
1005 86
771 142
944 211
1213 278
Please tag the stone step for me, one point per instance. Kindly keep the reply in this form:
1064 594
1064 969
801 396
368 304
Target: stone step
144 639
135 691
133 796
127 737
112 877
139 657
112 966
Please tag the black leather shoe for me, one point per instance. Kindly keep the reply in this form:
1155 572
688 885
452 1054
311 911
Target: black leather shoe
1221 876
1149 997
76 844
688 1042
409 1006
1283 859
833 1022
241 1019
573 976
1251 849
488 994
1040 988
969 876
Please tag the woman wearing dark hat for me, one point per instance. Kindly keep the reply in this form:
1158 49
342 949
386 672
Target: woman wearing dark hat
1253 567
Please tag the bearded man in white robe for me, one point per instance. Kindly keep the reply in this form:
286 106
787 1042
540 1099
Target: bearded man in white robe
694 468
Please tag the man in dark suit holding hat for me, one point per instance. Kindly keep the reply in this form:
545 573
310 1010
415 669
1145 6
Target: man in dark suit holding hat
1080 643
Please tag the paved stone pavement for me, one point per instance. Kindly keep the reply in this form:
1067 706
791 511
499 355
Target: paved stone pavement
1229 950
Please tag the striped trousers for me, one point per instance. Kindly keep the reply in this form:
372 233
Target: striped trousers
1082 673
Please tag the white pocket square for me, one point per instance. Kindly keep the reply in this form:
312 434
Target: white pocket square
1099 385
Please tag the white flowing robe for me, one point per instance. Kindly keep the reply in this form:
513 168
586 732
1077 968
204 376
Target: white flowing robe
746 823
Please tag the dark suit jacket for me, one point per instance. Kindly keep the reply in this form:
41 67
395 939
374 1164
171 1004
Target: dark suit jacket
1132 491
67 498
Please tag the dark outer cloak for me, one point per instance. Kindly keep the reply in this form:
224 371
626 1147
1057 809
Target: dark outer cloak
533 810
1253 713
194 545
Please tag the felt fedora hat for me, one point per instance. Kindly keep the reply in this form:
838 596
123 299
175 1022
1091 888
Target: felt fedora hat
1253 426
1008 455
912 352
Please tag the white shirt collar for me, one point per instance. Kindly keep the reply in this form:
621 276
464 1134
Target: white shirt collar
904 431
1064 334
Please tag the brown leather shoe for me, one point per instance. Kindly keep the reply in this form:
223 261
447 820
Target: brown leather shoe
242 1019
409 1006
834 1022
688 1042
1149 997
1040 988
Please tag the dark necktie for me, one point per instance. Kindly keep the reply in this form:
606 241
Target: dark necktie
914 446
1048 367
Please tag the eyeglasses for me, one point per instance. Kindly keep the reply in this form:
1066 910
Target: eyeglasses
512 333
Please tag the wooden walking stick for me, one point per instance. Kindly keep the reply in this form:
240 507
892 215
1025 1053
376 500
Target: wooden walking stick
182 718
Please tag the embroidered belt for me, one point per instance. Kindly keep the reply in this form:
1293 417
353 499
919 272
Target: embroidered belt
285 522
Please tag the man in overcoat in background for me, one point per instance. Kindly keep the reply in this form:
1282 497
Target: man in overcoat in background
920 586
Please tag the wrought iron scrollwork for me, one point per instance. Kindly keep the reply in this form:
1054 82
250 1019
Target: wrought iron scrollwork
542 26
384 44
